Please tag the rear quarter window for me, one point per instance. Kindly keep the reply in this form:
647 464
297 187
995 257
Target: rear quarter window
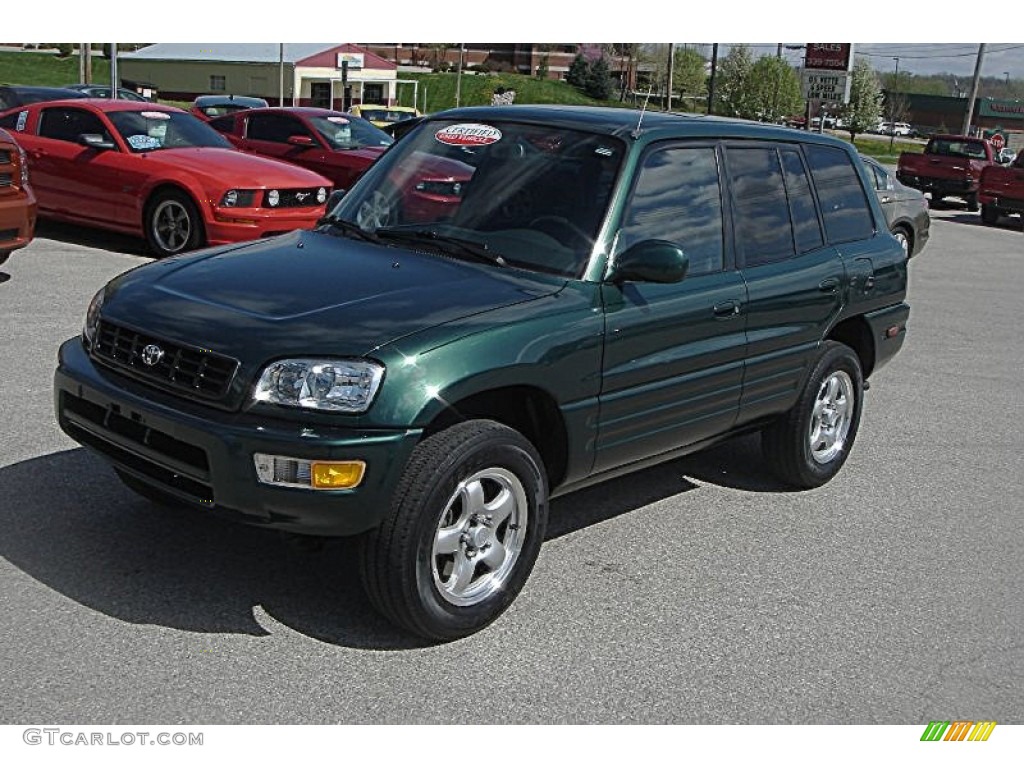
844 204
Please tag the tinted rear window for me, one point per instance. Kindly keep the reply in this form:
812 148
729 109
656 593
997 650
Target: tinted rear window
844 206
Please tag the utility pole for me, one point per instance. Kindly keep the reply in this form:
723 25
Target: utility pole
974 90
115 81
82 48
280 74
671 65
892 104
458 78
711 82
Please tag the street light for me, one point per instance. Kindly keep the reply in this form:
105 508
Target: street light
892 103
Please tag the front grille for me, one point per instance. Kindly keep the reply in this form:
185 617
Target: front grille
5 157
174 464
179 368
8 234
294 198
5 179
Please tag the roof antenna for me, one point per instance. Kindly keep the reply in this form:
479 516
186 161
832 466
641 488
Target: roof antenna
636 131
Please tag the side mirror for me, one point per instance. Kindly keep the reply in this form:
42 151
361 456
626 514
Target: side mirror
651 261
335 198
301 141
95 141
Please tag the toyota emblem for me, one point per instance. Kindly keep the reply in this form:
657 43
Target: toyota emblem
152 354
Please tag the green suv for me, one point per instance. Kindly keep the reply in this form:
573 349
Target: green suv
511 304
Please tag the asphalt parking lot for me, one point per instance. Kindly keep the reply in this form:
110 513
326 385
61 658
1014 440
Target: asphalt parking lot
696 592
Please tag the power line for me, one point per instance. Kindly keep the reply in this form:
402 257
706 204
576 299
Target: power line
890 54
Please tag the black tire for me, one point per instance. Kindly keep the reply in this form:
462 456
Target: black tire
172 224
4 255
787 443
405 576
972 203
989 214
148 492
906 240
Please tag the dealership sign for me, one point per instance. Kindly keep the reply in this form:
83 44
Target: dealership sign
826 73
354 60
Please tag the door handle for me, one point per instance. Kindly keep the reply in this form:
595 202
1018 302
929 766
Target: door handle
829 285
727 309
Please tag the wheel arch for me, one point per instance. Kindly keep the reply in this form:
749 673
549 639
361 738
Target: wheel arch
163 186
855 332
528 409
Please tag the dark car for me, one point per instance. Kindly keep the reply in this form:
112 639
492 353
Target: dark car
21 95
17 200
94 91
905 208
336 145
209 107
610 290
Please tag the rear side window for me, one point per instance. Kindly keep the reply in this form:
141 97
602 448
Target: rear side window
844 206
678 198
762 222
806 229
224 124
275 128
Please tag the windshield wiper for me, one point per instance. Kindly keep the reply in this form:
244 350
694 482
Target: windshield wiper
347 227
471 248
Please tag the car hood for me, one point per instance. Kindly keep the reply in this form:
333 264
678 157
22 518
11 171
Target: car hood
233 168
308 294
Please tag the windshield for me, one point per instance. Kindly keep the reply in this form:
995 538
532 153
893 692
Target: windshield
349 132
533 195
387 115
147 131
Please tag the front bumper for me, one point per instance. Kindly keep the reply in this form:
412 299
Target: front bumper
204 457
17 219
234 225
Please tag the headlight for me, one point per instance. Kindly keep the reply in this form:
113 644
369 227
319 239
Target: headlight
321 195
273 198
238 198
345 386
92 317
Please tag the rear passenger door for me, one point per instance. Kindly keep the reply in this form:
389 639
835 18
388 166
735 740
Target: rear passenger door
673 363
795 279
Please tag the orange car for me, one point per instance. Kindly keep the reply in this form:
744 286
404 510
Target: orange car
17 202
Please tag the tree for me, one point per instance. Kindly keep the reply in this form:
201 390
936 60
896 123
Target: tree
64 50
735 98
865 107
578 72
599 80
689 76
774 89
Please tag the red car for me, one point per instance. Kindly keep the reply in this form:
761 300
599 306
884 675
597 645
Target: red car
158 172
209 107
17 202
336 145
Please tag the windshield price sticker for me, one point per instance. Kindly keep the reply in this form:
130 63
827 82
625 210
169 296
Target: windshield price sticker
141 141
468 135
156 115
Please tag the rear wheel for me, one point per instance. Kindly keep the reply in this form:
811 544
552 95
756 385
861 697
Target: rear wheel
903 239
972 203
989 214
464 529
807 446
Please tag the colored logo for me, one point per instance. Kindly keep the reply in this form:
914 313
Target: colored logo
468 135
958 730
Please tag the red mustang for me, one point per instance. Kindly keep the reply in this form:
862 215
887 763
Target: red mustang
157 171
17 203
334 144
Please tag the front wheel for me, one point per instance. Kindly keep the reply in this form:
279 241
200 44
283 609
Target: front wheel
464 530
972 203
173 224
808 445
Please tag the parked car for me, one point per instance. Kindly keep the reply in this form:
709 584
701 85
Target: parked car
1001 190
17 201
94 91
209 107
1005 156
20 95
601 299
336 145
381 116
895 129
950 166
402 127
905 208
158 172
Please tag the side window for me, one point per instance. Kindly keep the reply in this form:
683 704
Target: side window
66 124
763 227
806 229
274 128
224 124
844 206
9 121
678 198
